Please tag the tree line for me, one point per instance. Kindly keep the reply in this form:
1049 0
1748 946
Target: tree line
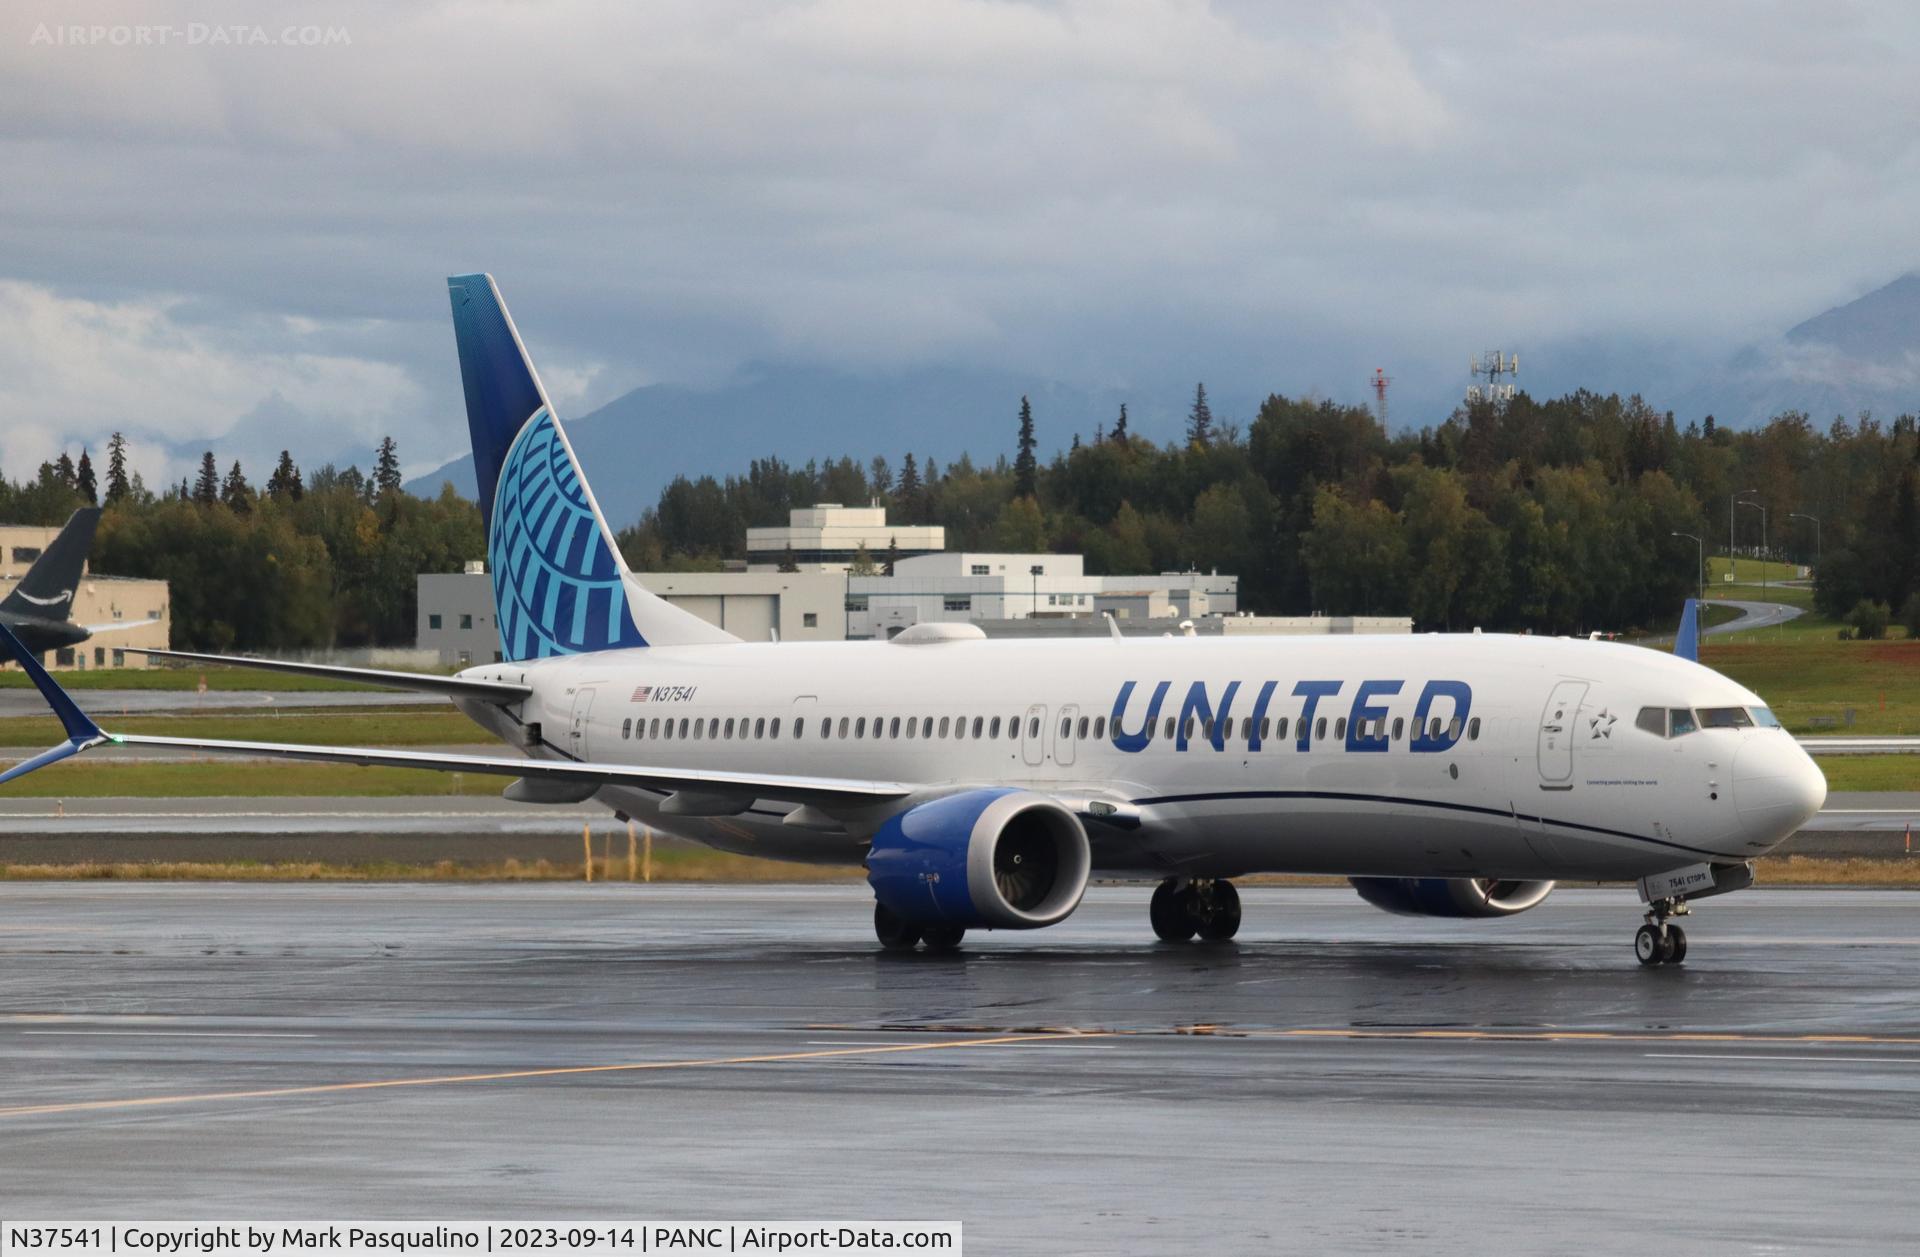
318 559
1563 515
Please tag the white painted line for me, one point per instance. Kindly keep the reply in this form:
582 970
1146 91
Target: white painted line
1835 1059
178 1034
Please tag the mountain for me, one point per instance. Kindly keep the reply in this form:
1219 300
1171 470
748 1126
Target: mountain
1861 356
635 444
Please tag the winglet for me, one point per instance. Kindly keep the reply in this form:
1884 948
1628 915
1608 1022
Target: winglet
1686 642
81 731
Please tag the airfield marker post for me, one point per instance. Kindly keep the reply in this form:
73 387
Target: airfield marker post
586 844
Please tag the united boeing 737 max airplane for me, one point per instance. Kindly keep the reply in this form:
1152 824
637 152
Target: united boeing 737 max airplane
983 783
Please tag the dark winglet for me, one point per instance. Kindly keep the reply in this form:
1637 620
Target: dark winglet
81 731
1686 643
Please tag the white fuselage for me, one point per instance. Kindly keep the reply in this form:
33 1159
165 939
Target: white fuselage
1527 761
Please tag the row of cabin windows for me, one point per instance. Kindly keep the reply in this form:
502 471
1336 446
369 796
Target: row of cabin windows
717 729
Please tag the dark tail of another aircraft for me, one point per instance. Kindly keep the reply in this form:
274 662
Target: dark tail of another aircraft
46 591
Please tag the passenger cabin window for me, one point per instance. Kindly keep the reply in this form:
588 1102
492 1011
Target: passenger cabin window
626 727
799 727
1473 729
1653 720
1099 727
1320 728
1680 721
1725 718
993 730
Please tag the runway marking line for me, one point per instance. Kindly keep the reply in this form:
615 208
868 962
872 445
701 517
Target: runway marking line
1212 1030
1838 1059
382 1084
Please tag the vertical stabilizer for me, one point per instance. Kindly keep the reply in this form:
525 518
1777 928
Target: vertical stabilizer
559 586
1686 642
46 591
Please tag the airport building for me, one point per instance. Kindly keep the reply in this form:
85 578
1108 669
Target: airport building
828 537
1004 595
996 590
123 611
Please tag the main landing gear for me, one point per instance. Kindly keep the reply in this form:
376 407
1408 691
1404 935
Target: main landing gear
898 935
1658 943
1183 907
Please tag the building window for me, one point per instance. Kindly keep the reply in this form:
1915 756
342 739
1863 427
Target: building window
810 619
119 658
856 602
25 554
433 621
466 620
962 603
980 569
466 657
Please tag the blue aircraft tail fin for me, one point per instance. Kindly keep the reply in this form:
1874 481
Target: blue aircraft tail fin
1686 642
559 586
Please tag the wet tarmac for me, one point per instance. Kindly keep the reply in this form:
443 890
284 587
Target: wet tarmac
1338 1080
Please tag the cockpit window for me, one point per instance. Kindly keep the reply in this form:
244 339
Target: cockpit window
1653 720
1725 718
1682 722
1764 718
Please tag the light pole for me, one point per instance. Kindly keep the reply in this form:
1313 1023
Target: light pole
1733 564
1763 543
1816 534
1034 572
1700 555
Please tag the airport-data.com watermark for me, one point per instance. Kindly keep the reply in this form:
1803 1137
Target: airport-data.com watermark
189 35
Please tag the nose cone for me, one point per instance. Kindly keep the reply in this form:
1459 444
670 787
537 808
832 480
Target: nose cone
1777 787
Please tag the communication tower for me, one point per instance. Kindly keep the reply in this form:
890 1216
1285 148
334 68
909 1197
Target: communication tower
1498 370
1379 381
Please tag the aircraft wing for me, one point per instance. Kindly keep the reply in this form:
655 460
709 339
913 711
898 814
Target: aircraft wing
83 734
117 625
424 682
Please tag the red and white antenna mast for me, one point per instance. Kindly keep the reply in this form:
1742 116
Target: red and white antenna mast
1379 382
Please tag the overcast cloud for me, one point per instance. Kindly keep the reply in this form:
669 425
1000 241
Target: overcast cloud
1269 195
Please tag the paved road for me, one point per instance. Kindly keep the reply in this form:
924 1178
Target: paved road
21 701
1755 615
1364 1083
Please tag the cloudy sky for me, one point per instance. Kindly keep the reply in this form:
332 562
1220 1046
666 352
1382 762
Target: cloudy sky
203 229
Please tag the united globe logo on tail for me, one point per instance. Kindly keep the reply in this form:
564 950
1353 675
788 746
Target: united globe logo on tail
556 584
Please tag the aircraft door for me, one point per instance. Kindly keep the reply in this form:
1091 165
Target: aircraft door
1556 735
1063 746
577 736
1033 735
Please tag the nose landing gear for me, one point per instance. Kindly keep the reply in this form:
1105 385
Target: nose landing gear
1657 942
1181 908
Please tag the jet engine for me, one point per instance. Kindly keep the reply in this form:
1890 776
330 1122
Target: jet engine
1000 859
1451 896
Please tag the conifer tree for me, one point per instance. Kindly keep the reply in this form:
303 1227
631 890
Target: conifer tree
1120 426
118 485
386 468
235 492
84 480
284 484
1200 419
1025 467
206 489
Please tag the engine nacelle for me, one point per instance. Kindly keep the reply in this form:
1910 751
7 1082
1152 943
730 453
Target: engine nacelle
1002 859
1451 896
